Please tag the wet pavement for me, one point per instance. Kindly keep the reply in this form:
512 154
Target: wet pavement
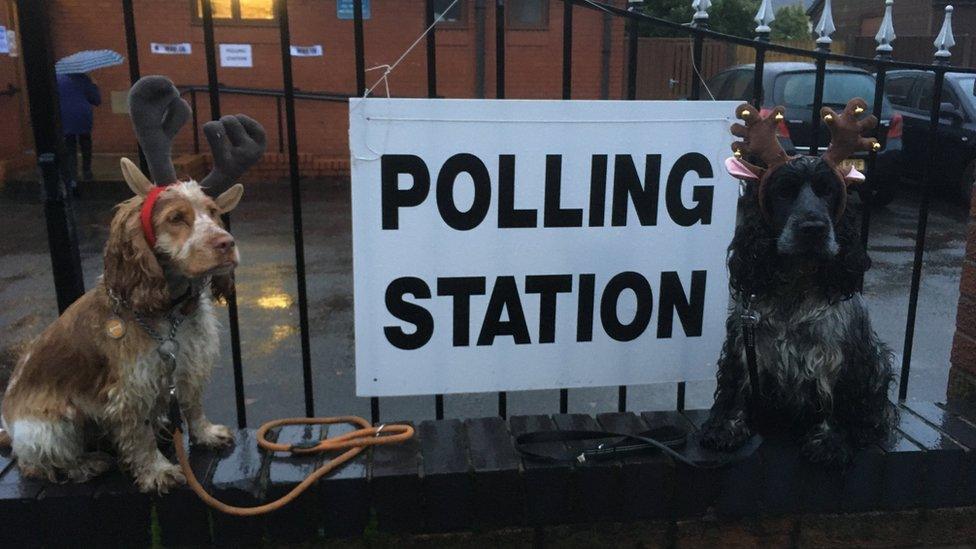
270 343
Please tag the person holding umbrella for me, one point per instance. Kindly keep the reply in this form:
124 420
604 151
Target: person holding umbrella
79 95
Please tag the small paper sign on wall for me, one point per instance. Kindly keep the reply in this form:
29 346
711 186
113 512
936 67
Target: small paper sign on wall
184 48
236 56
513 245
307 51
4 45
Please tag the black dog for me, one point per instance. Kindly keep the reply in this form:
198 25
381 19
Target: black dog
795 265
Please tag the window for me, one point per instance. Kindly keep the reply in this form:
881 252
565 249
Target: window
898 89
527 14
237 11
738 88
797 89
924 93
456 16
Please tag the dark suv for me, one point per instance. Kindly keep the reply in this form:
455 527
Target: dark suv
910 92
792 85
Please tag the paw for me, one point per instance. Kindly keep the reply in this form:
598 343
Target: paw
160 478
827 447
725 434
213 436
89 466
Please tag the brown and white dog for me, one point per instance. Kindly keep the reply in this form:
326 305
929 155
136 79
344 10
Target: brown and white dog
96 371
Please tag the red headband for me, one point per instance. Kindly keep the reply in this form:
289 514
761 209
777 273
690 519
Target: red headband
146 214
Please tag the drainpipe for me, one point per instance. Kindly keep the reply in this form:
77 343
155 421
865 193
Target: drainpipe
479 49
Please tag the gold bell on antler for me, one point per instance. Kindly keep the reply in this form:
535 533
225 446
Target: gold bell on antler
746 114
876 146
737 153
858 109
779 116
828 118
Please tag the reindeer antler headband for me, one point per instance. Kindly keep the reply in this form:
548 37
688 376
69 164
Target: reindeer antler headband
759 140
158 112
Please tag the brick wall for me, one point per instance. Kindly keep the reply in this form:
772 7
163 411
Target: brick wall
534 68
962 375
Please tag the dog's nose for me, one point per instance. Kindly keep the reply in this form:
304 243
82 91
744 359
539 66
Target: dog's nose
223 243
813 229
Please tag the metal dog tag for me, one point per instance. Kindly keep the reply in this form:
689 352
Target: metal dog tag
115 327
167 350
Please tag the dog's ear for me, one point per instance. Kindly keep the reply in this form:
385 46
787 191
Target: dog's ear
752 258
841 277
222 286
131 269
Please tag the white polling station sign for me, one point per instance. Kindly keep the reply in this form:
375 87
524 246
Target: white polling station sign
510 245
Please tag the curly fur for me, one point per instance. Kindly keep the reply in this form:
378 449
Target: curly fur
78 375
823 373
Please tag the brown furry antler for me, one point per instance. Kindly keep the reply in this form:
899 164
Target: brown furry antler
846 131
759 137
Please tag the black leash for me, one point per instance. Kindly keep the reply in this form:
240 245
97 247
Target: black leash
750 318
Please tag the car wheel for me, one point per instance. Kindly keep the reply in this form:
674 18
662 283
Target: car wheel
967 183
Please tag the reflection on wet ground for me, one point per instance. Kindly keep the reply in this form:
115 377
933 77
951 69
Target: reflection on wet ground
267 299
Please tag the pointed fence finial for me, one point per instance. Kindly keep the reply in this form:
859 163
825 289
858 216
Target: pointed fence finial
945 40
764 17
701 11
886 34
826 26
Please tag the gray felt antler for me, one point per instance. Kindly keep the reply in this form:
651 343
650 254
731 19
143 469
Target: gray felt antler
237 142
157 112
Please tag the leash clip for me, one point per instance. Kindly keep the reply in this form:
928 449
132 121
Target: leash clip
377 434
175 416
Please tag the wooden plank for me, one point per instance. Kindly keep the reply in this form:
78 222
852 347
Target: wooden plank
18 509
66 511
647 480
599 481
864 481
447 481
696 490
497 485
903 483
299 521
344 493
551 492
964 423
952 465
122 512
238 479
943 460
183 519
396 488
739 484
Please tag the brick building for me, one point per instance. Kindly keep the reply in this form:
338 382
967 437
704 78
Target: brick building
465 59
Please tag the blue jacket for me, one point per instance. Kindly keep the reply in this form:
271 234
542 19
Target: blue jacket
78 95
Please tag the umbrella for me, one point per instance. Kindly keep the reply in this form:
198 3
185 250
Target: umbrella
87 61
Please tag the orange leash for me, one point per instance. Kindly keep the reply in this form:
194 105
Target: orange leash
353 443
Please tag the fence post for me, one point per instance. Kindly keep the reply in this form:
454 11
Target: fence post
699 21
942 56
132 51
824 29
500 94
764 17
429 20
567 94
357 10
886 33
45 114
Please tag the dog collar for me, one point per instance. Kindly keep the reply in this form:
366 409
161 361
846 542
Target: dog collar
145 215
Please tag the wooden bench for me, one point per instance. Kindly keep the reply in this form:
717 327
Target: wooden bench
463 475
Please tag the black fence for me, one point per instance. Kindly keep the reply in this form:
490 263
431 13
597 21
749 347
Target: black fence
39 65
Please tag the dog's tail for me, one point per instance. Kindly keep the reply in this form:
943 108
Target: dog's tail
5 440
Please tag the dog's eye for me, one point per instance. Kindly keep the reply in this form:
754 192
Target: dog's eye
176 218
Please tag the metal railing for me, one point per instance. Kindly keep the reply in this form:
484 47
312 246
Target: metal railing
697 31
